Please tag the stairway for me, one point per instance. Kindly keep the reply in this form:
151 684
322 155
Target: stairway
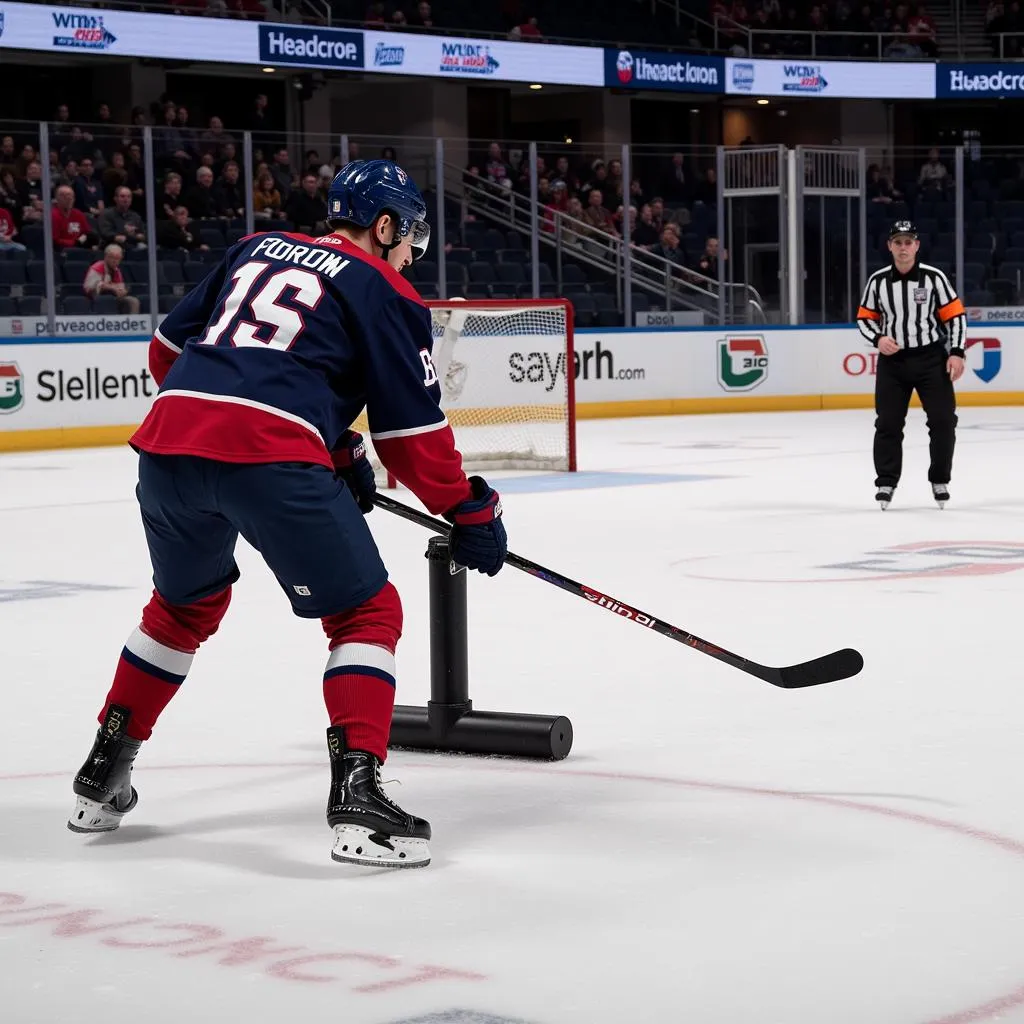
970 42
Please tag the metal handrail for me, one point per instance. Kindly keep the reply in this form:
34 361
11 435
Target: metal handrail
1003 36
724 21
670 282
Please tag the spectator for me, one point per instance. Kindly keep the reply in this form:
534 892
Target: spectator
423 18
598 179
673 184
229 194
305 209
9 195
7 155
211 140
879 188
65 175
933 177
228 154
528 31
645 234
281 170
324 180
596 216
169 142
706 191
136 173
171 197
376 15
313 162
258 121
60 134
70 226
104 277
266 200
78 148
120 224
558 203
177 233
708 262
189 139
28 156
88 190
114 177
572 223
8 232
398 19
200 199
668 247
658 220
30 194
495 169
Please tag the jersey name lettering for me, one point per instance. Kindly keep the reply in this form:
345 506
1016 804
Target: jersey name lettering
322 260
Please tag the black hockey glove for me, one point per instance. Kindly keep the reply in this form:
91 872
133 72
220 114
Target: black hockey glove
352 467
477 538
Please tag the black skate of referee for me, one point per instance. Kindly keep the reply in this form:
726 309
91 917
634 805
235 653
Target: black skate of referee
912 315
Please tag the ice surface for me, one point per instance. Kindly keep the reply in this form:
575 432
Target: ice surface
714 850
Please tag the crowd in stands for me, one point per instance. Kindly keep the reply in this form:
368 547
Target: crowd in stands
840 28
674 219
1006 18
97 205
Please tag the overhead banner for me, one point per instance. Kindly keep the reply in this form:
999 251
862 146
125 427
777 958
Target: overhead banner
499 60
978 81
126 34
670 72
830 78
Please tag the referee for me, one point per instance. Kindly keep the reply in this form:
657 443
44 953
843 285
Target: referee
911 314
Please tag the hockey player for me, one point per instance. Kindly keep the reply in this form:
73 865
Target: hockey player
262 369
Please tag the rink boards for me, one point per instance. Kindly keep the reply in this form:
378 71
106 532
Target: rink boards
92 390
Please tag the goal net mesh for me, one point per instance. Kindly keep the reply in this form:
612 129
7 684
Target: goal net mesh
504 372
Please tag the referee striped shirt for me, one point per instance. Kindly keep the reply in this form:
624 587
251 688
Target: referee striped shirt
916 309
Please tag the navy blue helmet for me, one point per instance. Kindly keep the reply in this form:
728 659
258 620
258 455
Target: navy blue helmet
363 190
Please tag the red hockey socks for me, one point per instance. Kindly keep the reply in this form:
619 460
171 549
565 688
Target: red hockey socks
158 655
359 680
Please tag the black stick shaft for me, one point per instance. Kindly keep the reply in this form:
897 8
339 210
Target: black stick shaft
838 665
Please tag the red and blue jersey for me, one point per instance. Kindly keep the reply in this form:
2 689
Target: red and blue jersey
277 351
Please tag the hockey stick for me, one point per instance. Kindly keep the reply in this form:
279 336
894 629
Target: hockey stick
828 669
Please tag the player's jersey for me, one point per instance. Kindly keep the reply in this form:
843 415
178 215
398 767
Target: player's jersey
274 355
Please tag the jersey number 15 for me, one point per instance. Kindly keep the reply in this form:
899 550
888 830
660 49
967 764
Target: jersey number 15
274 324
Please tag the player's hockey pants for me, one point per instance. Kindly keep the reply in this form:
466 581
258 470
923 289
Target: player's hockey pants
301 519
897 377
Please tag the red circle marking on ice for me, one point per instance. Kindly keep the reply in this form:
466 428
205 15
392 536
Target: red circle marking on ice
974 1015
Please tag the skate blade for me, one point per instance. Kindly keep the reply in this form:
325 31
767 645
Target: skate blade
92 816
356 844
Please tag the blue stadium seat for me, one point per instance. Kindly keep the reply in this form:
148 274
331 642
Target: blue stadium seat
478 290
1004 293
980 297
12 273
482 273
983 256
464 256
572 273
503 291
170 272
974 274
456 277
234 235
35 271
196 272
75 305
8 306
167 303
30 305
213 237
105 305
1012 270
584 310
514 240
426 270
511 273
512 256
428 291
73 272
32 237
140 255
492 241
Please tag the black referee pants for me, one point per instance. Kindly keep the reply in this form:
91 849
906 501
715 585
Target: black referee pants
896 379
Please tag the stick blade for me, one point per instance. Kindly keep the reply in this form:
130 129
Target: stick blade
829 669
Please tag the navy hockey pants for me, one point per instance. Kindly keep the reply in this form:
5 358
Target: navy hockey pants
301 519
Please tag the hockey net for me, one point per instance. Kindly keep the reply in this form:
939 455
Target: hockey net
507 375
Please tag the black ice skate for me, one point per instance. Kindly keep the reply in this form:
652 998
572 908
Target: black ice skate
368 827
104 783
941 494
884 497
